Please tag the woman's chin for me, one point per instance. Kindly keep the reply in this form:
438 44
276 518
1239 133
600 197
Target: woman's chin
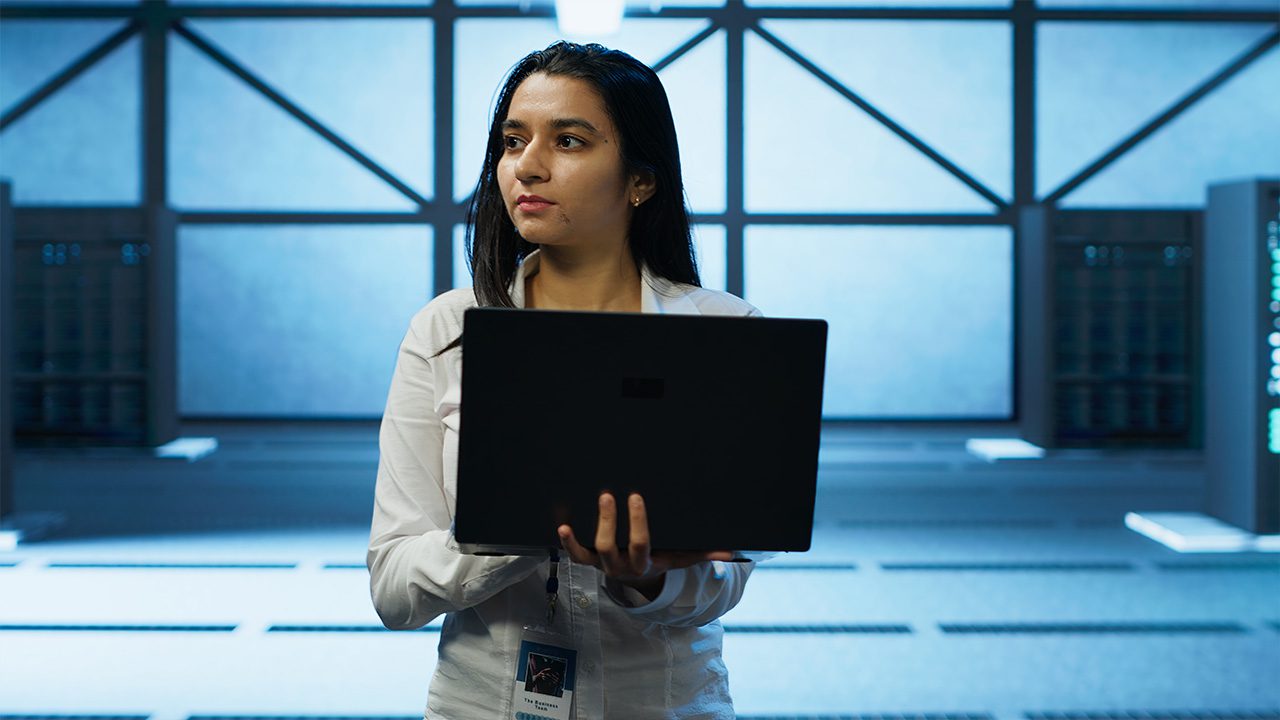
543 239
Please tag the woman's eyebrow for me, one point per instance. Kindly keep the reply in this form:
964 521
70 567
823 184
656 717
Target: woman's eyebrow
558 124
562 123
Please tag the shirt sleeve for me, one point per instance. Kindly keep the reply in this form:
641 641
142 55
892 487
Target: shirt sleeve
691 596
416 571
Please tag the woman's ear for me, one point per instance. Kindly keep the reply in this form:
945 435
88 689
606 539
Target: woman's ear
643 186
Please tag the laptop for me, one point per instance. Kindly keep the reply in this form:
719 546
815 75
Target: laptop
714 420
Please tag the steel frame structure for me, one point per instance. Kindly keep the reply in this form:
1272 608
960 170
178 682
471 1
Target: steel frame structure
153 20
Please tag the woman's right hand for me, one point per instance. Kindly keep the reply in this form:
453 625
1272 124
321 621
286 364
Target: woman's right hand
637 566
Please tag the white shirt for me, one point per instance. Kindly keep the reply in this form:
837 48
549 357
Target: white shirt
636 659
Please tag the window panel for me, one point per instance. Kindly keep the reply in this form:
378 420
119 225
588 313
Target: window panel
487 49
1230 134
695 86
1099 82
231 148
53 156
367 80
709 249
461 275
920 317
33 51
818 152
947 83
295 320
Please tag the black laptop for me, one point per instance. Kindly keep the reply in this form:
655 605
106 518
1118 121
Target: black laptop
715 420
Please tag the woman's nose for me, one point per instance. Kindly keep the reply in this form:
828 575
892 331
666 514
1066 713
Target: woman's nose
531 165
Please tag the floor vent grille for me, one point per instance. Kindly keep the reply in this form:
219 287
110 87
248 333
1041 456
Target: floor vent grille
341 629
1160 715
944 524
73 717
1089 628
875 716
1212 566
1010 567
171 566
835 567
821 629
303 717
32 627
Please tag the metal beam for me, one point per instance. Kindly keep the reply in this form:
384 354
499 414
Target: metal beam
883 119
155 119
1024 105
1024 190
301 115
19 10
442 109
735 148
685 47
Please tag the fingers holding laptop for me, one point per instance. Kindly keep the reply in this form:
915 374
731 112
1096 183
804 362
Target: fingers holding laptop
637 565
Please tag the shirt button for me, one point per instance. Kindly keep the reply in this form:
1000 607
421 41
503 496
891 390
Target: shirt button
583 601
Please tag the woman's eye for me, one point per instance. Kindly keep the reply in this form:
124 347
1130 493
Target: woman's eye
570 142
511 142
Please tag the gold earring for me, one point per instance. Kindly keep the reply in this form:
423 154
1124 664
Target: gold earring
636 202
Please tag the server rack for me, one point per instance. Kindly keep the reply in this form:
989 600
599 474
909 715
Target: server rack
1242 353
1108 341
95 326
6 351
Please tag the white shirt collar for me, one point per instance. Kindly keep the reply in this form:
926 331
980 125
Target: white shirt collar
657 294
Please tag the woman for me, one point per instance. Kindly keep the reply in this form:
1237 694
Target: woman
580 206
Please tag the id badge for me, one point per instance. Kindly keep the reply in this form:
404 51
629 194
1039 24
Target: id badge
545 674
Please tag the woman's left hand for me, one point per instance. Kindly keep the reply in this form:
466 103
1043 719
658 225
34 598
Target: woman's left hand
637 566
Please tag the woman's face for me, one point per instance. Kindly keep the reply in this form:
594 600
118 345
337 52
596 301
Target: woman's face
561 171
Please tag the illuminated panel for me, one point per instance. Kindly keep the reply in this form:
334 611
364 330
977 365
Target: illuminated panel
1273 382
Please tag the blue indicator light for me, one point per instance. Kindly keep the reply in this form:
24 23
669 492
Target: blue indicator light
1273 422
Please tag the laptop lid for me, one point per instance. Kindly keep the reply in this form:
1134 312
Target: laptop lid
715 420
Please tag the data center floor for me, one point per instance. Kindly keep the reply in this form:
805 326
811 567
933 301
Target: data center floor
938 585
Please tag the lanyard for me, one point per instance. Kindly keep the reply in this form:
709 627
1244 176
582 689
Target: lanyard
553 585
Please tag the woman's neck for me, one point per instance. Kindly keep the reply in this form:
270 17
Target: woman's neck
573 279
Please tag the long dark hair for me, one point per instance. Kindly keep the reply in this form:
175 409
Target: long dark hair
637 104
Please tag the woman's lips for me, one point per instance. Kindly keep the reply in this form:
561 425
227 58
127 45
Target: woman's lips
533 203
